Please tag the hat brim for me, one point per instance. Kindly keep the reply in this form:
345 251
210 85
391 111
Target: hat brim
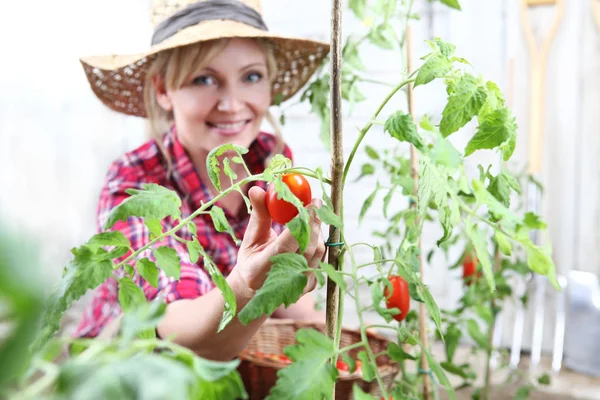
118 80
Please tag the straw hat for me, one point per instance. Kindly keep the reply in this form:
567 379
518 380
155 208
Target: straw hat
118 80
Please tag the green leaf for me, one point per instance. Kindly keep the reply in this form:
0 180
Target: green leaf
383 36
168 260
328 217
478 336
478 238
447 49
402 127
495 207
451 3
485 313
371 152
221 283
154 226
333 274
497 128
358 393
533 221
193 228
194 247
454 369
503 243
439 373
453 335
366 170
221 224
436 66
396 353
500 187
285 284
367 203
368 371
494 100
538 260
545 379
142 321
212 161
463 104
228 171
433 186
85 271
359 7
130 294
310 376
147 270
432 308
152 202
115 238
523 392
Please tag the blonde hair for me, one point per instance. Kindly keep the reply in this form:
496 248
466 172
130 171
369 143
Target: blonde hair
178 64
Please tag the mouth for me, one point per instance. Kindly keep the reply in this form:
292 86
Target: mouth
228 128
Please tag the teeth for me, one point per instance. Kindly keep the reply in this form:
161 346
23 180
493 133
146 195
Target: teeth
230 126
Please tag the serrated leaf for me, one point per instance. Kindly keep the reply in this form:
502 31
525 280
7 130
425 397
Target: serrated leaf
221 224
147 270
82 273
402 127
333 274
285 284
463 104
497 128
493 101
221 283
154 226
478 239
360 395
228 171
533 221
433 186
475 333
152 202
116 238
130 294
212 161
168 260
371 152
367 203
495 207
500 186
503 243
310 376
328 217
368 372
447 49
436 66
451 3
383 36
396 353
453 335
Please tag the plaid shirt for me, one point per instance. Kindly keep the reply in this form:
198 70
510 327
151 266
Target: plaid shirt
146 164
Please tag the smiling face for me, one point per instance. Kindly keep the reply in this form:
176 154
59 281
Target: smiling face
224 101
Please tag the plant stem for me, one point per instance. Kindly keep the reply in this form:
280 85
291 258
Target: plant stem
414 166
332 311
365 129
488 366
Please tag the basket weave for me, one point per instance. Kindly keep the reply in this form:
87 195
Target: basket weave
260 374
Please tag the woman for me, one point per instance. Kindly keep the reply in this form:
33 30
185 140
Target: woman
209 78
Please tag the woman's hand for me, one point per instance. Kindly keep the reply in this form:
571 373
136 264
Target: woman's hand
260 243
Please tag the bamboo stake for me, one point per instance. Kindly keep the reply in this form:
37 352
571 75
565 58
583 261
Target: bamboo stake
414 167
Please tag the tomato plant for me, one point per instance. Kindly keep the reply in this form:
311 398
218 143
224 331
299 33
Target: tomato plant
431 186
282 211
470 272
399 297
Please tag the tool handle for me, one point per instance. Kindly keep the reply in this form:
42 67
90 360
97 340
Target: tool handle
538 62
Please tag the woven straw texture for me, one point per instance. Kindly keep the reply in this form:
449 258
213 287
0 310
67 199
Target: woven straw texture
117 80
260 374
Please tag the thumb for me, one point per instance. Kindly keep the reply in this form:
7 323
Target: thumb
259 226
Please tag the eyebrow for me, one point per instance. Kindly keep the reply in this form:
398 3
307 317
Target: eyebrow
256 64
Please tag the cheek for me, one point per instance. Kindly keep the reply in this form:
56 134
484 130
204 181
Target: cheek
189 107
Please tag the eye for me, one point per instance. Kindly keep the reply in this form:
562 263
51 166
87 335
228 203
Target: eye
254 77
204 80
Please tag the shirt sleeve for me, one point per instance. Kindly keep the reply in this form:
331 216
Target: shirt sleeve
193 281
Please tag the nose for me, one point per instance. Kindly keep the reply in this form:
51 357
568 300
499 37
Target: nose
229 102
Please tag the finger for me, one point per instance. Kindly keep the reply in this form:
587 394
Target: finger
259 226
316 236
311 283
319 253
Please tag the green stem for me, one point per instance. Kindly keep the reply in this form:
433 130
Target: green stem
363 330
351 347
375 263
363 131
307 172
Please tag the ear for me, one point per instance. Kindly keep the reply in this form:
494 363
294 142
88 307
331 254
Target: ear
160 91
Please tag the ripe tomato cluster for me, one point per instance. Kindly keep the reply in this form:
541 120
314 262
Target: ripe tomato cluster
282 211
399 297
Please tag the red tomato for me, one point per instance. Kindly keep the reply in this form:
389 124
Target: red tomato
469 268
280 210
400 297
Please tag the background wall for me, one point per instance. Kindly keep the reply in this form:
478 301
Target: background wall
56 139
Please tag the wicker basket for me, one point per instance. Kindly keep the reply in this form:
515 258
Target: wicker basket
260 374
